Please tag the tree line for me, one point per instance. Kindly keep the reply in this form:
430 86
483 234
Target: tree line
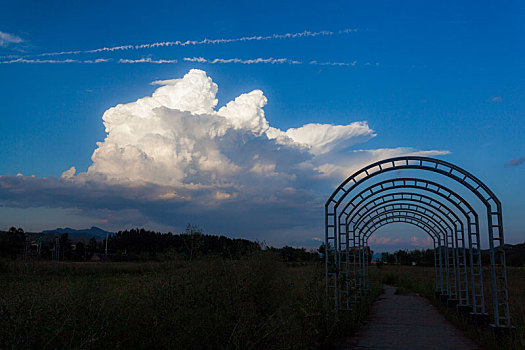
514 254
139 244
424 257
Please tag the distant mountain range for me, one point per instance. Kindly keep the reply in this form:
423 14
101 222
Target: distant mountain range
96 232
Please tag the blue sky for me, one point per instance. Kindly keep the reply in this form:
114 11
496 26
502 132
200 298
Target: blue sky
426 75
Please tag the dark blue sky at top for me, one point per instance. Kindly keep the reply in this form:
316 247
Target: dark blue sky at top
451 75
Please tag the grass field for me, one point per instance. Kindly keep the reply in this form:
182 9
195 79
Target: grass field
258 302
420 280
252 303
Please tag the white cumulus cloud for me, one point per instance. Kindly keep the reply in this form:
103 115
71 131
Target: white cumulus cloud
174 157
178 137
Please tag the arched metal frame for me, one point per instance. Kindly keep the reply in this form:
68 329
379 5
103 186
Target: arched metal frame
456 263
431 227
377 214
471 217
446 286
411 211
438 266
420 220
451 171
409 220
438 261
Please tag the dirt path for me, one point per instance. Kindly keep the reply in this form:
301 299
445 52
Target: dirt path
407 322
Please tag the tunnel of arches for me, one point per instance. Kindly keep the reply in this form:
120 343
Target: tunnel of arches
457 211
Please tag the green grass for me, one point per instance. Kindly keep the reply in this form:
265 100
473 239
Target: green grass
254 303
420 280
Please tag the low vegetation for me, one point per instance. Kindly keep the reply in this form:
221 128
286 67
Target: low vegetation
259 301
514 256
196 291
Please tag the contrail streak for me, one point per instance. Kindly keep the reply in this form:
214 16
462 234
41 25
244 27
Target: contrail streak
333 63
205 41
259 60
270 60
146 60
36 61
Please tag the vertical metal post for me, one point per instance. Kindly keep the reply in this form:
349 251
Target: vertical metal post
435 265
498 270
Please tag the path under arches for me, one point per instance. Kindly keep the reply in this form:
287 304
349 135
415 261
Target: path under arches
407 322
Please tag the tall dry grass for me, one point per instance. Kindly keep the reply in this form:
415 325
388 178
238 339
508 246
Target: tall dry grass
255 303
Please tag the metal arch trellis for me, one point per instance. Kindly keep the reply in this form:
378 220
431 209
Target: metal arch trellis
455 263
403 218
451 274
432 231
476 280
428 228
413 211
359 253
406 219
424 227
399 217
418 212
461 176
437 229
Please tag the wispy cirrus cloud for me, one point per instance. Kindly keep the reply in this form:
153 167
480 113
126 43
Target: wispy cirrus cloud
342 64
333 63
205 41
7 39
270 60
146 60
235 60
516 162
35 58
69 60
